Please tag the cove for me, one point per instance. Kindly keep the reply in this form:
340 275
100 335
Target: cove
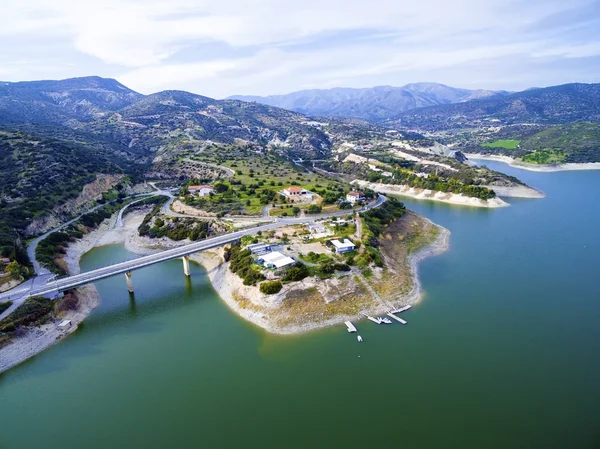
503 351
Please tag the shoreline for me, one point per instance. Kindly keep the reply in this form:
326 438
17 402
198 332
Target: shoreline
534 167
223 281
456 199
226 284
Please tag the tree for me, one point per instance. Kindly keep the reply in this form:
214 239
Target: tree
13 269
271 287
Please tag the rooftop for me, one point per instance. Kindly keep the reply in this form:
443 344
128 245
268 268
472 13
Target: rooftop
345 244
277 259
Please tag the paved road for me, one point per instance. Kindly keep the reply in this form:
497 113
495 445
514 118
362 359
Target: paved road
45 286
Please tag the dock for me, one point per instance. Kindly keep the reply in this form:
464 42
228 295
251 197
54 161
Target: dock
400 320
350 326
375 320
400 310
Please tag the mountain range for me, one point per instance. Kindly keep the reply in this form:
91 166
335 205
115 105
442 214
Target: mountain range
553 105
372 104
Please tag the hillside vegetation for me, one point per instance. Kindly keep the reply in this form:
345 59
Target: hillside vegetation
550 105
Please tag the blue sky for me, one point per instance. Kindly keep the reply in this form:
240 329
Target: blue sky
261 47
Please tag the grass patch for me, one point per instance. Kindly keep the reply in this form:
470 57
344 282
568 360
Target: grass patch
34 311
507 144
5 305
544 157
308 306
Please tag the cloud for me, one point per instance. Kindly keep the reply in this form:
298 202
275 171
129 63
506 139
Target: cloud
268 46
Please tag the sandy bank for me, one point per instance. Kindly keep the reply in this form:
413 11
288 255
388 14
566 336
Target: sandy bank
517 192
534 167
42 337
421 194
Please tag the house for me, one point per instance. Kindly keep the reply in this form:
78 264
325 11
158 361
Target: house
4 260
259 248
343 247
203 190
276 260
293 192
355 196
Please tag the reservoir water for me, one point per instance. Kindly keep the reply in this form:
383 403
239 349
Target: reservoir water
503 352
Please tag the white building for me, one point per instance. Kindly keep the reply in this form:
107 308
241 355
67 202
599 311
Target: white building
355 196
343 247
259 248
276 260
294 192
204 190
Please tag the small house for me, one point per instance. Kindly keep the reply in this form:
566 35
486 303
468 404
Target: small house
64 324
276 260
343 247
4 260
294 192
355 196
203 190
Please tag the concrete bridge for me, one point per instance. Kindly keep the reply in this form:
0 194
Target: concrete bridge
182 252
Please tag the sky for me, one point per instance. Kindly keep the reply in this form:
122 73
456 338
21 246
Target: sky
219 48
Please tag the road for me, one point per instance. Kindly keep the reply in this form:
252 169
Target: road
44 286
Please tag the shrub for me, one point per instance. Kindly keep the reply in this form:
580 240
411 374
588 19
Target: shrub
271 287
253 276
296 273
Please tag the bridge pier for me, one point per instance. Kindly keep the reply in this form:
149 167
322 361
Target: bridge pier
186 265
129 282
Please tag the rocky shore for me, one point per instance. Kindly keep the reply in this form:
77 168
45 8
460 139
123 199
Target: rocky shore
534 167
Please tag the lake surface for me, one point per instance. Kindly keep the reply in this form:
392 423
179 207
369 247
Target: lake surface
503 352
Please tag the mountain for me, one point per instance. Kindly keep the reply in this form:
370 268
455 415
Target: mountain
142 126
372 104
75 98
550 105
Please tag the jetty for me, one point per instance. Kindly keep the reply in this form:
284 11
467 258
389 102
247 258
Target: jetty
400 310
397 318
350 326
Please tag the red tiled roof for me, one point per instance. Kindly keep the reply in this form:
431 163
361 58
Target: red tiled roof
206 186
294 189
356 194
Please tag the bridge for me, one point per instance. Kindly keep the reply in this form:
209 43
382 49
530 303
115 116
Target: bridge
183 252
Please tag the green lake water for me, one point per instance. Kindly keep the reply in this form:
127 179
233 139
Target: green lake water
503 352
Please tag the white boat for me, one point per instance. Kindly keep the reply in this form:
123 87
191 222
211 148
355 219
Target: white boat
359 338
386 320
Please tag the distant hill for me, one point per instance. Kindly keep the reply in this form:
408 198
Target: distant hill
550 105
140 126
50 101
373 104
